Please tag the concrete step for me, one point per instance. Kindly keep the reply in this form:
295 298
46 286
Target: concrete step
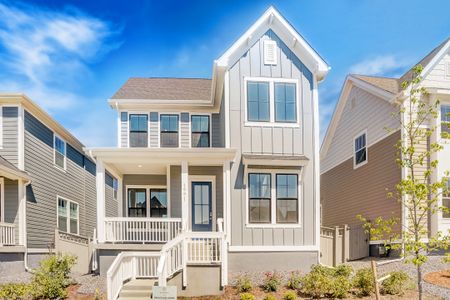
137 289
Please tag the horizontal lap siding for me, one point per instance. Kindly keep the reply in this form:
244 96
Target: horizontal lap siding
124 129
154 129
437 76
48 182
185 130
11 191
347 192
10 134
271 140
111 204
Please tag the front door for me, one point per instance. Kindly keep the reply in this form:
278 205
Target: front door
201 206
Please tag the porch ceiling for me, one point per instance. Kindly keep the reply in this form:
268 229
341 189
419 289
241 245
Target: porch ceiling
156 160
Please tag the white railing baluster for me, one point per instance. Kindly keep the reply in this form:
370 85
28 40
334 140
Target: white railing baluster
7 234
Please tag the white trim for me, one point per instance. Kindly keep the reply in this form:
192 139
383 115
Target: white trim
100 187
312 248
361 133
159 128
54 152
68 214
21 137
203 178
169 206
272 122
427 69
273 200
227 109
316 164
2 199
138 112
119 129
1 127
40 250
147 188
447 70
191 114
227 200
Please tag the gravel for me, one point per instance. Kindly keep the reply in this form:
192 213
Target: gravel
90 283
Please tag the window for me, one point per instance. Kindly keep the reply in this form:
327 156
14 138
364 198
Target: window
287 198
115 188
445 121
360 155
138 130
446 200
200 131
169 131
68 216
259 198
158 203
285 102
59 152
258 108
137 202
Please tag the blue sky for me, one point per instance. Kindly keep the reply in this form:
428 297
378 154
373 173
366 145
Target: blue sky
71 56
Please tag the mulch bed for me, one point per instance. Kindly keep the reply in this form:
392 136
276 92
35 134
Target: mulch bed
440 278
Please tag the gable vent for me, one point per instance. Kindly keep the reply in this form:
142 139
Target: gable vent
270 53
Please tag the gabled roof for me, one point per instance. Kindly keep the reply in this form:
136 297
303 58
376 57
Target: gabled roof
384 87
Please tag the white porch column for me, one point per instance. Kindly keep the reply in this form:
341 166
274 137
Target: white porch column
100 201
120 196
226 200
21 211
184 194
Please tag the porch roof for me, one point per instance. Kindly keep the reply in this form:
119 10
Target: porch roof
10 171
155 160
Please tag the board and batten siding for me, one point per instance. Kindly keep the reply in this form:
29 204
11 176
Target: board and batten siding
9 151
346 192
363 111
439 76
75 183
271 140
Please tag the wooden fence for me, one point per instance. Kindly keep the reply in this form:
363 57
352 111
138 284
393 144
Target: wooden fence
334 245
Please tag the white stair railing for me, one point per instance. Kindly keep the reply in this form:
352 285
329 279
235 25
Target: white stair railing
7 234
141 230
130 265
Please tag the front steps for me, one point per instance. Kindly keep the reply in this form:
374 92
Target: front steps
138 289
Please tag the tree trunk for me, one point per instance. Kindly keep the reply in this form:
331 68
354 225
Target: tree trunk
419 281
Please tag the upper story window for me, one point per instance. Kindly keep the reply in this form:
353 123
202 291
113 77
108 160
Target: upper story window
285 102
258 104
272 100
68 216
445 121
200 134
360 150
169 130
59 155
138 130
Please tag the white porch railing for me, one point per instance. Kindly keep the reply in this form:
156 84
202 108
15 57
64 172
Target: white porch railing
141 230
7 234
130 265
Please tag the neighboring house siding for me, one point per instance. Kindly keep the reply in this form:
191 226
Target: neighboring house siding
438 76
347 192
111 204
11 214
365 112
10 134
75 184
185 130
271 140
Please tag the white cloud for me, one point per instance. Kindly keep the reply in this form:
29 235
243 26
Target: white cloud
386 65
46 54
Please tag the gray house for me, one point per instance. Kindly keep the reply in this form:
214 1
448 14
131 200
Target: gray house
46 183
215 176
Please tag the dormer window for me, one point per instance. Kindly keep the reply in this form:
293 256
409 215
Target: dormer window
169 130
138 130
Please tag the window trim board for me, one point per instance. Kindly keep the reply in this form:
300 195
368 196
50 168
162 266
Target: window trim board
356 166
147 189
68 214
160 113
55 135
210 127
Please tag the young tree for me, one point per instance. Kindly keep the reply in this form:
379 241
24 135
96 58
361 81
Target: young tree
418 192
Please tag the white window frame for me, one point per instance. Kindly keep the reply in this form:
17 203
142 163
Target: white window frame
147 189
190 127
179 127
273 200
137 112
54 152
68 214
272 122
355 166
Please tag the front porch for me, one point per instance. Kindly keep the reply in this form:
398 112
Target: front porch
160 193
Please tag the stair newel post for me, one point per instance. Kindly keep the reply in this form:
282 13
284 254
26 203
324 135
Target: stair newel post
184 263
134 267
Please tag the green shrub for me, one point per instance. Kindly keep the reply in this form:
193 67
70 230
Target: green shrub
294 281
290 295
246 296
15 291
343 270
244 284
395 284
51 278
340 287
364 282
316 283
271 282
269 297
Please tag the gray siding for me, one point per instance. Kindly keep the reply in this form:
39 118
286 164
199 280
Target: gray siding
12 203
48 182
175 191
10 134
185 130
111 204
218 127
123 129
271 140
154 129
